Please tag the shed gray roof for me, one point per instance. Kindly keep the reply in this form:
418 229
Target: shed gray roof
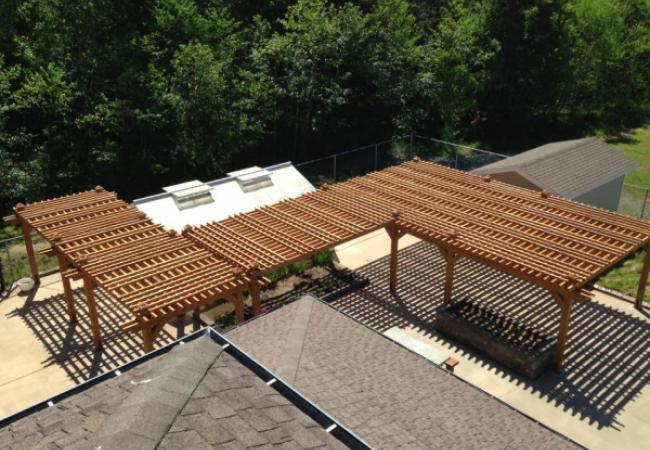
387 395
566 168
196 396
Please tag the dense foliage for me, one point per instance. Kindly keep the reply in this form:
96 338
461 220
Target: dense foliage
136 95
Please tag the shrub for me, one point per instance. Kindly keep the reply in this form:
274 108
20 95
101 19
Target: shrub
298 266
277 274
322 258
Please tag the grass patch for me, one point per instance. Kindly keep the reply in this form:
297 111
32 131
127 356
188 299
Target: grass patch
14 258
625 276
636 146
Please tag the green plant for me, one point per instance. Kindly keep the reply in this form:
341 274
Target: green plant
225 320
277 275
298 266
322 258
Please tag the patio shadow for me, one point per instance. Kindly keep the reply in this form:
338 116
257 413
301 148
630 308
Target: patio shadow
608 354
70 346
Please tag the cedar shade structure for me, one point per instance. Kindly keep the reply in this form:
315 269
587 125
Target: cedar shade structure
554 243
155 274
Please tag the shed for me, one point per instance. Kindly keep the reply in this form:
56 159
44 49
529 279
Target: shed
586 170
196 203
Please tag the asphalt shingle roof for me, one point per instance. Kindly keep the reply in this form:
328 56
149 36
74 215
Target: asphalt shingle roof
196 396
387 395
566 168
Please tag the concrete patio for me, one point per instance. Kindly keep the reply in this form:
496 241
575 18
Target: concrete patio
601 400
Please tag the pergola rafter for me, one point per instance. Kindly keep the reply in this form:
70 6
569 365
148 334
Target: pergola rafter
554 243
107 243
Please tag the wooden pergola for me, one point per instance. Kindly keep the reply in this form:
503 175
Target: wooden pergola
554 243
155 274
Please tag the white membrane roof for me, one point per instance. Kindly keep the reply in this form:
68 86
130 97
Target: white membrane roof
238 192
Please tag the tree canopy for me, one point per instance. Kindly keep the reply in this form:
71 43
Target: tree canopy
137 95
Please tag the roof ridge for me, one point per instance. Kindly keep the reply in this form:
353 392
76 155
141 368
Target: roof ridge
295 342
166 390
577 143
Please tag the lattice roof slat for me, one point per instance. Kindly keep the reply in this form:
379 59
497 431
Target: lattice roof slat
533 210
514 217
135 260
556 242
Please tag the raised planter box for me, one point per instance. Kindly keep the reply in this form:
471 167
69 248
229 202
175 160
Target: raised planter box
504 339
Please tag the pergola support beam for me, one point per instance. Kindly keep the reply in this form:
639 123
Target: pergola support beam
395 233
67 288
238 300
450 266
89 289
643 282
566 306
254 289
29 246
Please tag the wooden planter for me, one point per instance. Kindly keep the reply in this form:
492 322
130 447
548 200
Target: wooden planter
504 339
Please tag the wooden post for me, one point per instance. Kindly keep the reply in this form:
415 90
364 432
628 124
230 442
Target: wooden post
239 307
196 320
393 261
395 234
256 298
29 246
92 311
254 288
180 326
450 258
566 305
67 289
147 338
643 282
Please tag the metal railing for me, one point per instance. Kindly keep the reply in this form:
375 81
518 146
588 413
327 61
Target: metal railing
340 167
361 160
13 260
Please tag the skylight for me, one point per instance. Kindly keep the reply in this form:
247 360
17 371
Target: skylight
252 178
190 194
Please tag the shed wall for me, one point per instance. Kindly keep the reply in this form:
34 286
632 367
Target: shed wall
605 196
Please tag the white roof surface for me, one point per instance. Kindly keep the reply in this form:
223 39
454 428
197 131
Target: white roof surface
231 194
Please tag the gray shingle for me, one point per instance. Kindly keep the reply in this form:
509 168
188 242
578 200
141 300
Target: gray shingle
566 168
387 395
195 397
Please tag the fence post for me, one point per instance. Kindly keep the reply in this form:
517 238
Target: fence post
645 202
411 146
456 157
375 156
334 167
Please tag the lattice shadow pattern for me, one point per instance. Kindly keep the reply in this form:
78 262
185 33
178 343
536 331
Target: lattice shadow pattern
608 353
71 345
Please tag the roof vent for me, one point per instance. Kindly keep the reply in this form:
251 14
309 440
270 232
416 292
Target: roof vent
252 178
190 194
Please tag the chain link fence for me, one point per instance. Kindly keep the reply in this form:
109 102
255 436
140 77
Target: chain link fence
340 167
634 201
360 161
13 260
